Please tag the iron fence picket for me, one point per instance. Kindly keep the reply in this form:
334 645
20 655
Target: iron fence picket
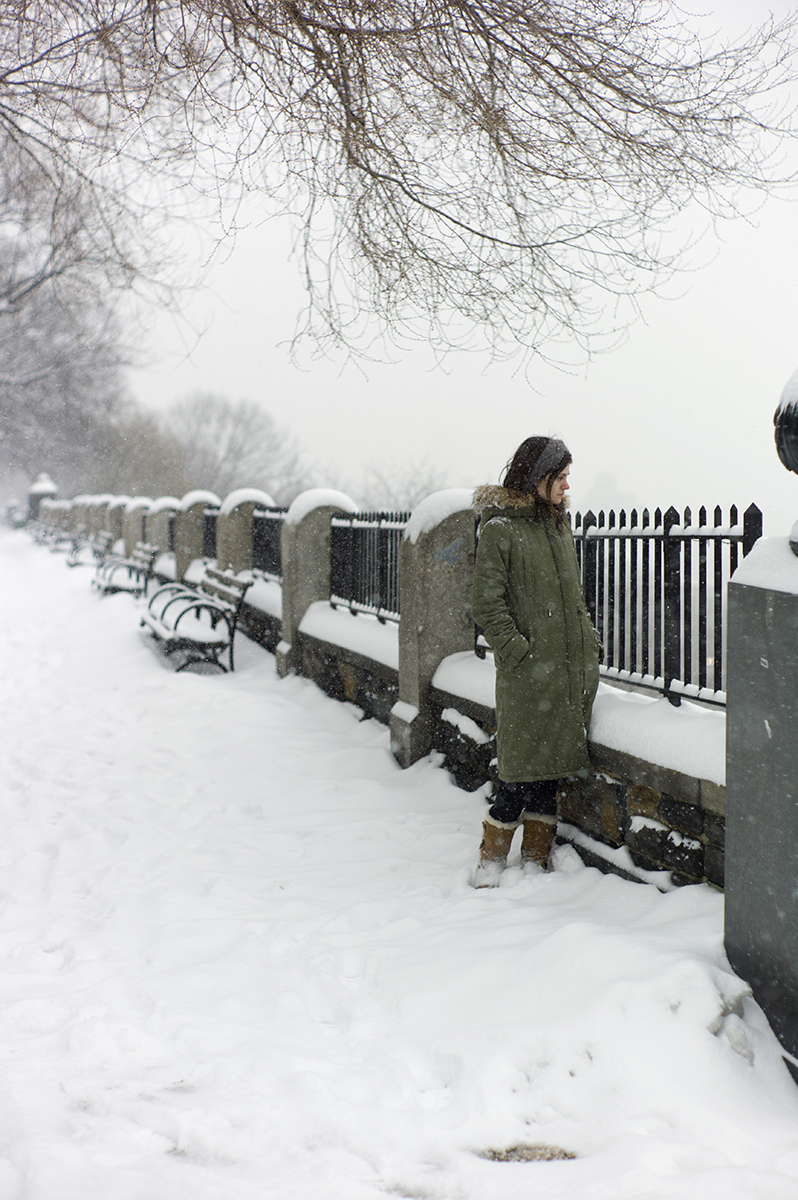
717 604
658 605
688 667
703 674
645 661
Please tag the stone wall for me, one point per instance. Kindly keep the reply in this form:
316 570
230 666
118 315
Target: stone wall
632 817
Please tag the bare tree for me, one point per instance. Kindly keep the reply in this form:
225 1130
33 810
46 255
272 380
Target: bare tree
398 487
59 388
230 444
139 458
503 165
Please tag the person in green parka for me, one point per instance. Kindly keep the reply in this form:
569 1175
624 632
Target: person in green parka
528 599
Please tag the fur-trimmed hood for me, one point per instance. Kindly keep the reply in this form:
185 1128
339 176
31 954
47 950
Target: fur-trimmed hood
506 501
493 495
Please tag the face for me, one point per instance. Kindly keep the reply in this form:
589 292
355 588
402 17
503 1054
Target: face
559 486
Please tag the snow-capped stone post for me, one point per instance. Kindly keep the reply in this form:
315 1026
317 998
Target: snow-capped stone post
234 528
133 522
305 550
98 520
79 513
189 528
762 764
156 522
115 515
436 568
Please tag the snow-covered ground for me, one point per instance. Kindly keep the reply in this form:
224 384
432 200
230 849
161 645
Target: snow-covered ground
240 958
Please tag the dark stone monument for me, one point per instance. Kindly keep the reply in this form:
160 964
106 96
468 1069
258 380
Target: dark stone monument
762 766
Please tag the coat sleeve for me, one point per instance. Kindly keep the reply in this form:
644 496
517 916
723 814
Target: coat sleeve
489 598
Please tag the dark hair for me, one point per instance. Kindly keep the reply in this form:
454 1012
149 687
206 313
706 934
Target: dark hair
519 474
519 477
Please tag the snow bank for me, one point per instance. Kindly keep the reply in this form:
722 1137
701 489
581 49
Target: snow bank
436 508
246 496
771 564
195 572
138 502
165 565
466 675
240 958
362 632
266 595
690 739
314 498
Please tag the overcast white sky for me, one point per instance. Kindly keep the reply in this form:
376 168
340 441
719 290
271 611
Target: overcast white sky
681 413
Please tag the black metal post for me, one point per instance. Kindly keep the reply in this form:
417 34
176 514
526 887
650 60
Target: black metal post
671 603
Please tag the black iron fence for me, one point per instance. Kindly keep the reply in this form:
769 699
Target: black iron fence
267 527
209 532
656 590
364 562
655 585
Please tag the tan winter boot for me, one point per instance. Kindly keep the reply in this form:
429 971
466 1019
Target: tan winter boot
493 851
537 840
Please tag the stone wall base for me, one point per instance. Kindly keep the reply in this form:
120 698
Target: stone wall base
346 675
260 626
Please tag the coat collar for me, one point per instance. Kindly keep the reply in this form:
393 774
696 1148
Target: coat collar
513 504
491 500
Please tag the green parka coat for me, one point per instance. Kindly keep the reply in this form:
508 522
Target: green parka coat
528 599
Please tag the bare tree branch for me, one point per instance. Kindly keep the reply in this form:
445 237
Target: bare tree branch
459 165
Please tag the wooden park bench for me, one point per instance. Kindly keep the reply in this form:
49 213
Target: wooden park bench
117 573
90 549
198 621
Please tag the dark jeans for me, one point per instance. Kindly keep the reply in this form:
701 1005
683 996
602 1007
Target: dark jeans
537 798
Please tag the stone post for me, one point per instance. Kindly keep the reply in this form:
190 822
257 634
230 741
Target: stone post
234 528
64 518
79 514
99 514
436 569
133 522
156 525
762 782
305 549
116 512
189 521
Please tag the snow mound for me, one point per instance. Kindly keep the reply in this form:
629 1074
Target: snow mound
770 565
199 497
246 496
435 509
313 498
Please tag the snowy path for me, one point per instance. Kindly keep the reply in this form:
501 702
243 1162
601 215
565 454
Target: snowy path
240 959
